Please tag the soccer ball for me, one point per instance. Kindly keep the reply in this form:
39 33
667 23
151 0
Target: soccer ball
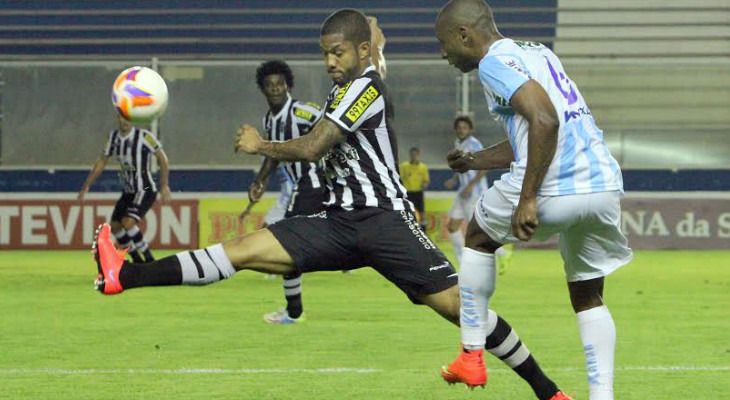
139 94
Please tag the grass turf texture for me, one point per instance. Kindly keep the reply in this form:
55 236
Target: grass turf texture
672 309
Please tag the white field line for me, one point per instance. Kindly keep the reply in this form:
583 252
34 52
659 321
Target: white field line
204 371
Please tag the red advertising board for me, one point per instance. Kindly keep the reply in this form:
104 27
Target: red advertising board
69 224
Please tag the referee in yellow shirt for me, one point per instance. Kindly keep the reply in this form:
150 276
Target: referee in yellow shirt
414 174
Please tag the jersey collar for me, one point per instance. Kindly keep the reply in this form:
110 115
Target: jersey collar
285 108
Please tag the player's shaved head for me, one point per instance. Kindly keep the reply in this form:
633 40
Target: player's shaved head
352 24
465 29
472 13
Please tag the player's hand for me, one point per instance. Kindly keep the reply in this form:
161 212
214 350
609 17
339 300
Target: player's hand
247 211
248 140
165 195
524 219
255 192
450 183
82 194
459 161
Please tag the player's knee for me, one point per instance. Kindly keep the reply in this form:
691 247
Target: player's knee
128 223
585 295
477 239
116 226
454 225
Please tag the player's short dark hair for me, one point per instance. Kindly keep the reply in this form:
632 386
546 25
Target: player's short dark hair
352 24
274 67
464 118
416 149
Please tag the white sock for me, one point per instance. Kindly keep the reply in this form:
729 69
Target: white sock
476 285
201 267
598 334
457 238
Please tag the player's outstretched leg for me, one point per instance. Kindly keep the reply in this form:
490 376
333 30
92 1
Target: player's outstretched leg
294 311
198 267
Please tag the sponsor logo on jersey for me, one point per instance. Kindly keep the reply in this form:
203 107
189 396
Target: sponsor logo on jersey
314 105
303 114
338 97
529 45
361 104
151 141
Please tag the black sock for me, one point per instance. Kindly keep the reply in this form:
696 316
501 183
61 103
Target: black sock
163 272
125 242
140 244
293 294
504 343
136 257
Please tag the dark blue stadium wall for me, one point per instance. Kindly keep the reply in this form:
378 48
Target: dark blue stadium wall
238 180
231 29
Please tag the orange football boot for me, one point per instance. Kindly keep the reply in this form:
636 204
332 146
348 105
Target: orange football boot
468 368
561 396
109 261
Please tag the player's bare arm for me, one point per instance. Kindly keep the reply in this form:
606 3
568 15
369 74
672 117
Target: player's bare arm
311 147
262 179
164 164
96 170
498 156
377 45
533 103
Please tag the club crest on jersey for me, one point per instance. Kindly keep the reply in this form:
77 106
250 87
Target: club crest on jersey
338 97
362 103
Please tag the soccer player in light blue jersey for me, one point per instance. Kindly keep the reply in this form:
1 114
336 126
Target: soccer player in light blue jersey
471 184
562 180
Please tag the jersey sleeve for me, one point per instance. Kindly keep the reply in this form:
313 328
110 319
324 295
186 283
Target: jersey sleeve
354 104
475 145
109 145
151 142
503 74
306 113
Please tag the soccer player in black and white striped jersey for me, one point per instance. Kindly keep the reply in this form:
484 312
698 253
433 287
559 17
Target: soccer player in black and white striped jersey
368 220
134 148
288 119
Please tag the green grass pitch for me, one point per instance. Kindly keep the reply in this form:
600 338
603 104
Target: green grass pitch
59 339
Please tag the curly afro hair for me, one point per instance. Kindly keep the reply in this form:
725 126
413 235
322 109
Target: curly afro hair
465 119
274 67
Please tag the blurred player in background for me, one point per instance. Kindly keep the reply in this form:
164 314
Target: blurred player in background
133 147
302 183
415 178
562 180
368 221
471 184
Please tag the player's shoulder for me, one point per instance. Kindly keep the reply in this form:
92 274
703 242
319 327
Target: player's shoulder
149 138
362 87
307 111
473 142
504 53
